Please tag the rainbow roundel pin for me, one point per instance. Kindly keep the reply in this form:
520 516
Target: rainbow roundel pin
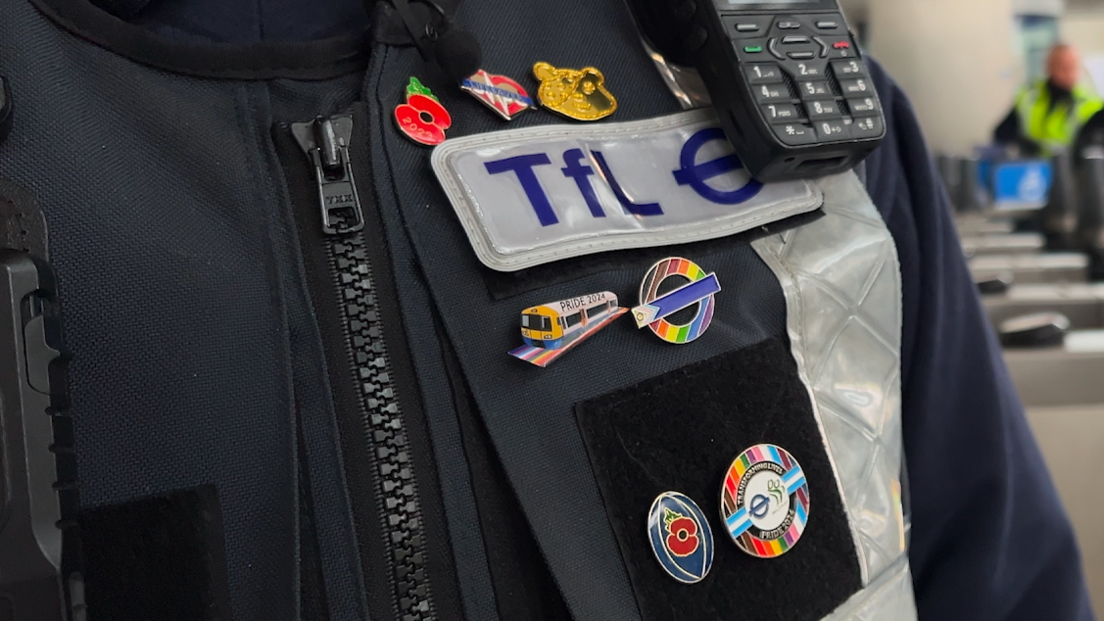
680 537
765 501
655 308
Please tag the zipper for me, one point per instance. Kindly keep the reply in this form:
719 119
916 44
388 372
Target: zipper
400 523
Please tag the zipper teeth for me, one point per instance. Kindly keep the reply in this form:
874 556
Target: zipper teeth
381 418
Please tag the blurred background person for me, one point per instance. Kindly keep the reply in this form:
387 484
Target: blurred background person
1049 115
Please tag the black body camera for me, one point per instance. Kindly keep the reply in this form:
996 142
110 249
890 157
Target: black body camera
786 77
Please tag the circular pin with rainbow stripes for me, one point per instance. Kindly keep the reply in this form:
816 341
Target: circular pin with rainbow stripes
699 289
765 501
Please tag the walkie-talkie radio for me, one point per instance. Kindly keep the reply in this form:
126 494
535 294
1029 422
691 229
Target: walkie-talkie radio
785 76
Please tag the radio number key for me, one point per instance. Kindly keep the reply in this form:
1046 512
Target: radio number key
780 113
766 73
849 69
863 106
837 47
807 70
795 134
771 93
867 127
831 130
856 87
822 110
815 90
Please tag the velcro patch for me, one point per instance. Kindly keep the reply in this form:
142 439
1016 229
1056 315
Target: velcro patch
532 196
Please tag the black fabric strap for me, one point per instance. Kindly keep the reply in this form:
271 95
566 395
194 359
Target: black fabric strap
22 223
161 557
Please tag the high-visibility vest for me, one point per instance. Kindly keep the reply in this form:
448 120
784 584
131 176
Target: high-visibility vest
1056 128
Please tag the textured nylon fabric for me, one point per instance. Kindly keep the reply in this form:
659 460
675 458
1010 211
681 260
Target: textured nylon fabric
537 438
169 239
843 291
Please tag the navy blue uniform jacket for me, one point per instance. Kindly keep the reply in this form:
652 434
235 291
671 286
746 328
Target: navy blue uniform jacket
990 539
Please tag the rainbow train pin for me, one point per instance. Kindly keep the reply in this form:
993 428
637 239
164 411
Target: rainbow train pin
552 330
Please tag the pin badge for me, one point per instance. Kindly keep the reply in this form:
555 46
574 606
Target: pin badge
499 93
422 118
765 501
680 537
654 308
578 94
552 330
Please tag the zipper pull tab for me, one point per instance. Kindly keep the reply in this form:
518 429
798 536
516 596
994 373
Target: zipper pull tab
326 143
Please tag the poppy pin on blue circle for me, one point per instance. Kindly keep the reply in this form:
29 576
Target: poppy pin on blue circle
680 537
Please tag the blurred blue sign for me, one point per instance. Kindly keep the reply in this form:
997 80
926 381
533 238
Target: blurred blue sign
1021 184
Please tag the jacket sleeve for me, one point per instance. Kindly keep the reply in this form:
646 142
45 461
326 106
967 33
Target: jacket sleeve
990 538
1009 129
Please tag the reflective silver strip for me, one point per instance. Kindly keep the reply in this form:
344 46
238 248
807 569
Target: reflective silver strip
842 284
888 598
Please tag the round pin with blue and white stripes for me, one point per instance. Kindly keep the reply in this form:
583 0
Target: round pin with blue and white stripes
680 537
765 501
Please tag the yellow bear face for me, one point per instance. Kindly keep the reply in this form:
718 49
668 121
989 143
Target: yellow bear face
579 94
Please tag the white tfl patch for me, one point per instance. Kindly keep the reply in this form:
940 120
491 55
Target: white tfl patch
532 196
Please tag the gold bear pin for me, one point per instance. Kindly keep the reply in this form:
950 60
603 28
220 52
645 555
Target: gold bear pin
578 94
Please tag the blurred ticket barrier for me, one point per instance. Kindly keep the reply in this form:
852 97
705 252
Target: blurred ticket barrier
1068 374
1082 304
1013 243
992 181
1059 267
976 224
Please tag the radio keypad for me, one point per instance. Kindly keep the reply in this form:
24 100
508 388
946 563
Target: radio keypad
789 62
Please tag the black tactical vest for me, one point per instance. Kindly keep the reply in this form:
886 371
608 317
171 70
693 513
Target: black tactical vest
274 422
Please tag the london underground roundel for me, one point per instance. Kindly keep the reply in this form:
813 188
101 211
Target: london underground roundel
765 501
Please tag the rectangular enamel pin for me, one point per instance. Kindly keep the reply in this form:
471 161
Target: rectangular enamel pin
552 330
